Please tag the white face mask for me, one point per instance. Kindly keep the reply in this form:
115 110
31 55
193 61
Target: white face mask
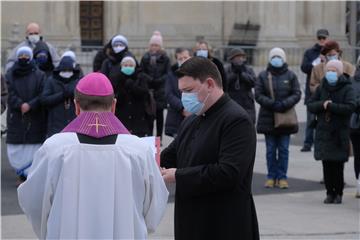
118 49
34 38
64 74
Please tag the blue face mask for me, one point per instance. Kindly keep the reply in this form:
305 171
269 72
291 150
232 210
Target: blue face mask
331 78
332 57
41 59
128 70
191 102
202 53
276 62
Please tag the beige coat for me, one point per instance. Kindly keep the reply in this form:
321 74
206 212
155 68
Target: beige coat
318 73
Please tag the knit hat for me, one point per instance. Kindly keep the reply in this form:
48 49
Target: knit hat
69 54
337 64
156 38
119 38
330 45
95 84
235 52
277 52
66 63
24 51
128 58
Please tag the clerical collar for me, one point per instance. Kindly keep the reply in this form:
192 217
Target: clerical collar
96 124
217 105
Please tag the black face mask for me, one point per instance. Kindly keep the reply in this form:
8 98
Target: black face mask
24 61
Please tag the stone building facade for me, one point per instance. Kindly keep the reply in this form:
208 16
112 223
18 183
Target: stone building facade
291 25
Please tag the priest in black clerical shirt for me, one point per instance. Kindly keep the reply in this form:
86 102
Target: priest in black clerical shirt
211 160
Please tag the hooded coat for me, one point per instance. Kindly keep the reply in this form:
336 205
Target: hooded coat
47 67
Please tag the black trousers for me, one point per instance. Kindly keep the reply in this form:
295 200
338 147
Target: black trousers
333 177
355 140
159 122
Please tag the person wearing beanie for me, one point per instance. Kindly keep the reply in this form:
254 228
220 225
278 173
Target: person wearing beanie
312 57
333 103
58 95
72 55
26 119
95 167
355 127
115 52
155 64
202 49
331 51
133 98
32 38
286 94
241 80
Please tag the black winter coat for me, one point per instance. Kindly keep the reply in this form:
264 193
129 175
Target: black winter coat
132 97
306 66
214 155
332 129
157 74
286 90
58 98
241 80
25 87
175 108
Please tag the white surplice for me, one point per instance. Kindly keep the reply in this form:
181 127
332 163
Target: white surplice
86 191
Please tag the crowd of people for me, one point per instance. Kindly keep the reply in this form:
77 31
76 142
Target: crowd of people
210 114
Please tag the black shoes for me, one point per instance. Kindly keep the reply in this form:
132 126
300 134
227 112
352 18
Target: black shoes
331 199
338 199
306 149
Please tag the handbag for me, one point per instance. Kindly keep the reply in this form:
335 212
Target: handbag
286 119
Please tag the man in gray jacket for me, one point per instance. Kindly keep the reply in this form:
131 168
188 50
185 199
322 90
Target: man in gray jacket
32 37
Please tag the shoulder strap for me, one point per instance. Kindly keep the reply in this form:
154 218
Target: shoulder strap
271 89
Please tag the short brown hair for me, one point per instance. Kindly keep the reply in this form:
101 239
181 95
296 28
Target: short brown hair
200 68
89 103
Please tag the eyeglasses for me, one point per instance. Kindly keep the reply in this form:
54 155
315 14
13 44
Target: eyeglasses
321 38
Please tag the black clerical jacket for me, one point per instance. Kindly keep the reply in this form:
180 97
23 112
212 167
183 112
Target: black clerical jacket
214 155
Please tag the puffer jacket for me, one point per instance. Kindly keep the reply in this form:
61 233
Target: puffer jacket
333 127
286 90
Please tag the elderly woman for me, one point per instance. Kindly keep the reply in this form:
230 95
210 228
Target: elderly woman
132 96
333 103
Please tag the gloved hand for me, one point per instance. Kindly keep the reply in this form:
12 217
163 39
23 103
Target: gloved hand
278 106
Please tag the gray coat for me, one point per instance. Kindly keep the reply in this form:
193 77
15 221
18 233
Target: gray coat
12 57
333 127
